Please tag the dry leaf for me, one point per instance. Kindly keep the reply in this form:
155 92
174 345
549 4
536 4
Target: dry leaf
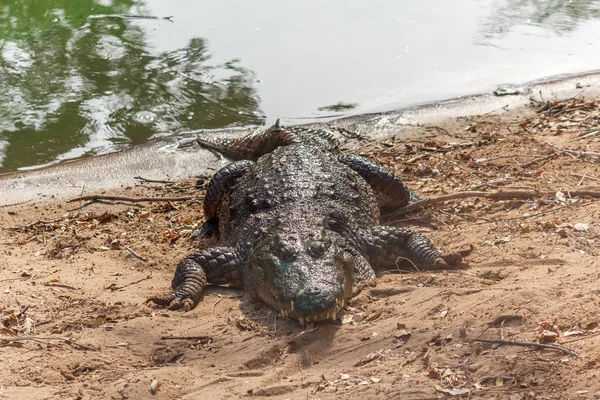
154 386
572 333
403 334
452 392
581 227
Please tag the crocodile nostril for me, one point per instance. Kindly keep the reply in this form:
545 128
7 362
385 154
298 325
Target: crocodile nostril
287 252
317 249
315 300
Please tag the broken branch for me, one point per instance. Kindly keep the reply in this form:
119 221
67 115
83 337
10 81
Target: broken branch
136 255
501 195
42 340
585 176
201 338
15 204
114 287
484 160
578 153
556 347
141 179
131 199
537 160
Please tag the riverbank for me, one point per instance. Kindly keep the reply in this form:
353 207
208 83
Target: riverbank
74 278
177 157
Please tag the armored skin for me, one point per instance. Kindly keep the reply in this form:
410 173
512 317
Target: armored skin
298 226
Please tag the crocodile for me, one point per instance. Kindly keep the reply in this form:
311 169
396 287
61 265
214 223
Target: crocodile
297 224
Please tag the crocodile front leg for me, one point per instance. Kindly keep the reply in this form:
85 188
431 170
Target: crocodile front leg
386 244
388 188
217 266
218 187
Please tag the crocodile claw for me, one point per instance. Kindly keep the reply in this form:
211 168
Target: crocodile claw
448 261
172 302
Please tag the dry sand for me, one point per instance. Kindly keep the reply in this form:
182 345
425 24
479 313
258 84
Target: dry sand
75 323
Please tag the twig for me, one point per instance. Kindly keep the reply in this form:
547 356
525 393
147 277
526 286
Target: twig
31 225
406 259
41 339
501 195
132 199
418 157
21 242
588 134
537 160
536 214
218 301
150 180
484 160
22 278
581 338
136 255
578 153
585 176
202 338
457 165
15 204
305 332
113 287
60 285
556 347
81 346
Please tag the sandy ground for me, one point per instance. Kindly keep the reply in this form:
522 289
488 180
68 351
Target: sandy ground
74 323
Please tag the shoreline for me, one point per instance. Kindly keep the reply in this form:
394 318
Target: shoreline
161 159
69 275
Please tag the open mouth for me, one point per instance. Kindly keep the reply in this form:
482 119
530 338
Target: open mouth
305 318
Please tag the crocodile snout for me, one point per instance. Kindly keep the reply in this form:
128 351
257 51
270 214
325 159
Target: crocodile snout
315 301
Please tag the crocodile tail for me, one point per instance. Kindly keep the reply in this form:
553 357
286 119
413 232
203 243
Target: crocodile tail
256 144
253 146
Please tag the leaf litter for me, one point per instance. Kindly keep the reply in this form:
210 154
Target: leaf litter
533 273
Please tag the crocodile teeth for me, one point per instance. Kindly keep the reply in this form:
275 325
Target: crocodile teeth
332 315
292 307
283 313
301 319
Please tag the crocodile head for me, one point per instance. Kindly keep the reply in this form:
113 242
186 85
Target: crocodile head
305 275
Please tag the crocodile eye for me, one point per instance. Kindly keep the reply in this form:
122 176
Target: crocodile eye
287 252
317 249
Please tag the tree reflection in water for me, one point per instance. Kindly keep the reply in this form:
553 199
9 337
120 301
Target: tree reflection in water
558 16
72 85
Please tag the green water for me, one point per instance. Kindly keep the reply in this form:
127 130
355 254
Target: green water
74 85
76 80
